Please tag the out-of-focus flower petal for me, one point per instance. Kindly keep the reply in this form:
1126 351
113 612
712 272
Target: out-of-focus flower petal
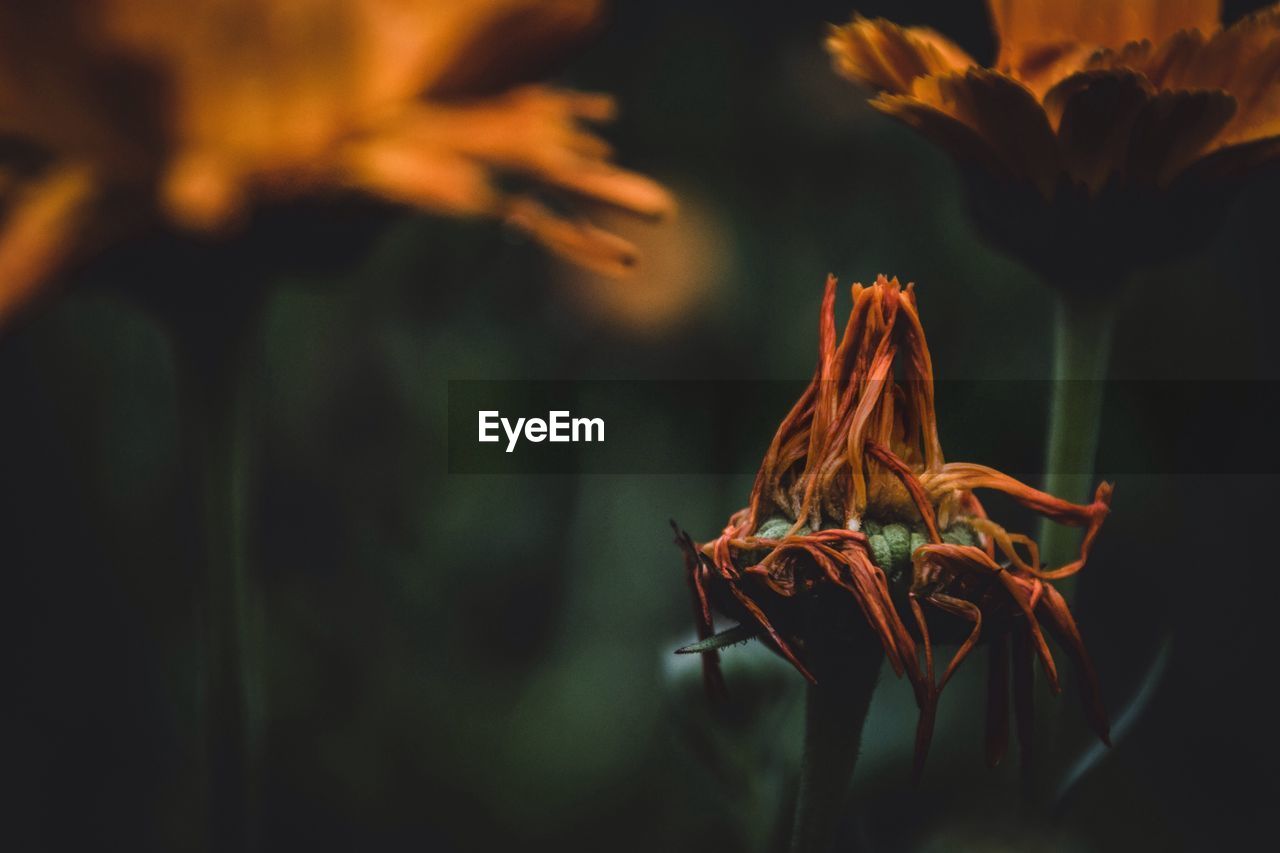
191 113
575 240
1173 129
684 266
431 177
883 55
1243 59
1094 112
532 132
1234 161
519 41
1037 34
43 219
945 130
1005 114
1154 112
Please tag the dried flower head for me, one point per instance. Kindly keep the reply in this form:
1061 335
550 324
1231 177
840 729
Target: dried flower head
855 516
117 113
1094 110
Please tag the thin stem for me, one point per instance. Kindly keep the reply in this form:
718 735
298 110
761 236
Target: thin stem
216 436
1082 348
835 712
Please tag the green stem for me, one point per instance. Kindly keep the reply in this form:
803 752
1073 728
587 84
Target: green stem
216 437
1082 348
835 712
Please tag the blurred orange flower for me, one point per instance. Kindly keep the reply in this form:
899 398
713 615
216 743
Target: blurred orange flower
855 515
683 269
1086 98
118 113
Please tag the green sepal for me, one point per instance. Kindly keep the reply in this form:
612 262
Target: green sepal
729 637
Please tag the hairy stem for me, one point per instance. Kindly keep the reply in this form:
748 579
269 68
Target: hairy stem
1082 347
835 712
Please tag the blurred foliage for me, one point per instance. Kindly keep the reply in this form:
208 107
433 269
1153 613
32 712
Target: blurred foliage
466 662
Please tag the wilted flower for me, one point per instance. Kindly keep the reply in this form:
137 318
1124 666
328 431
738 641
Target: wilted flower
119 113
855 516
1107 134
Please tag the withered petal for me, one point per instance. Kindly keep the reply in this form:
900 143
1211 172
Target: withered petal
1062 625
783 647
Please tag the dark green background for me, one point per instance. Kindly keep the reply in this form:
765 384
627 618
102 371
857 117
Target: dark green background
461 662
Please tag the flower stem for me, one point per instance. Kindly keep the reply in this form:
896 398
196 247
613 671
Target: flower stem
1083 331
215 415
835 712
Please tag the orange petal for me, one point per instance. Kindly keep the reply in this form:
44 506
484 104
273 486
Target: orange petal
575 241
536 131
38 232
1063 627
885 56
1005 114
1095 112
1243 60
1028 29
446 48
949 133
1234 161
514 40
1173 130
433 178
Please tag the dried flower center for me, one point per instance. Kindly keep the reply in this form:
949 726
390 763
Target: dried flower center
891 543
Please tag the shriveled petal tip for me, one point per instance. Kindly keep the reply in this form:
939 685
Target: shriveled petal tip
576 241
885 56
